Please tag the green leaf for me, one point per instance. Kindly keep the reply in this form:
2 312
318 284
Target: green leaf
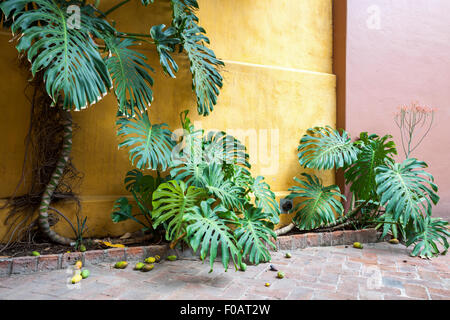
265 199
239 175
213 180
406 190
151 145
122 211
184 7
208 228
319 204
222 148
132 82
72 66
142 185
325 148
146 2
206 79
171 202
254 233
189 171
431 232
389 223
165 42
196 151
374 152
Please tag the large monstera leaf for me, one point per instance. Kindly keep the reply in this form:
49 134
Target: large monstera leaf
165 41
265 199
182 7
73 67
254 233
406 190
222 148
326 148
150 144
172 201
132 82
319 204
375 152
189 171
142 186
206 79
213 180
430 233
208 228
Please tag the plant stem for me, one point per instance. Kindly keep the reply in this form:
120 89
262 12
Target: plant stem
135 34
53 183
117 6
174 243
285 230
134 38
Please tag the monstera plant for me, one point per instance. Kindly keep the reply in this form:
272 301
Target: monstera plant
80 56
397 197
207 199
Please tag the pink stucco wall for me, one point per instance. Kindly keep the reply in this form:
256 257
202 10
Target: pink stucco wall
398 51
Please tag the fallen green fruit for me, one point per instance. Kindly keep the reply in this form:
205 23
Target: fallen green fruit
357 245
243 266
139 266
172 258
157 258
288 255
121 265
280 275
148 267
85 273
82 248
35 253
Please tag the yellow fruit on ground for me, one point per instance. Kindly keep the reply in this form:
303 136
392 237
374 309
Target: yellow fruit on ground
150 260
121 265
394 241
357 245
139 266
76 278
78 264
148 267
267 284
157 258
172 258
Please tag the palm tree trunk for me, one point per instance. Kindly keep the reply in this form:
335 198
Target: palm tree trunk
53 183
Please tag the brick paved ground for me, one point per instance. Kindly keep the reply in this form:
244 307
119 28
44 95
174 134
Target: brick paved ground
379 271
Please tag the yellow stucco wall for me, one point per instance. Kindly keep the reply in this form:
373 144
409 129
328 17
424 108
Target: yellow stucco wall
277 84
